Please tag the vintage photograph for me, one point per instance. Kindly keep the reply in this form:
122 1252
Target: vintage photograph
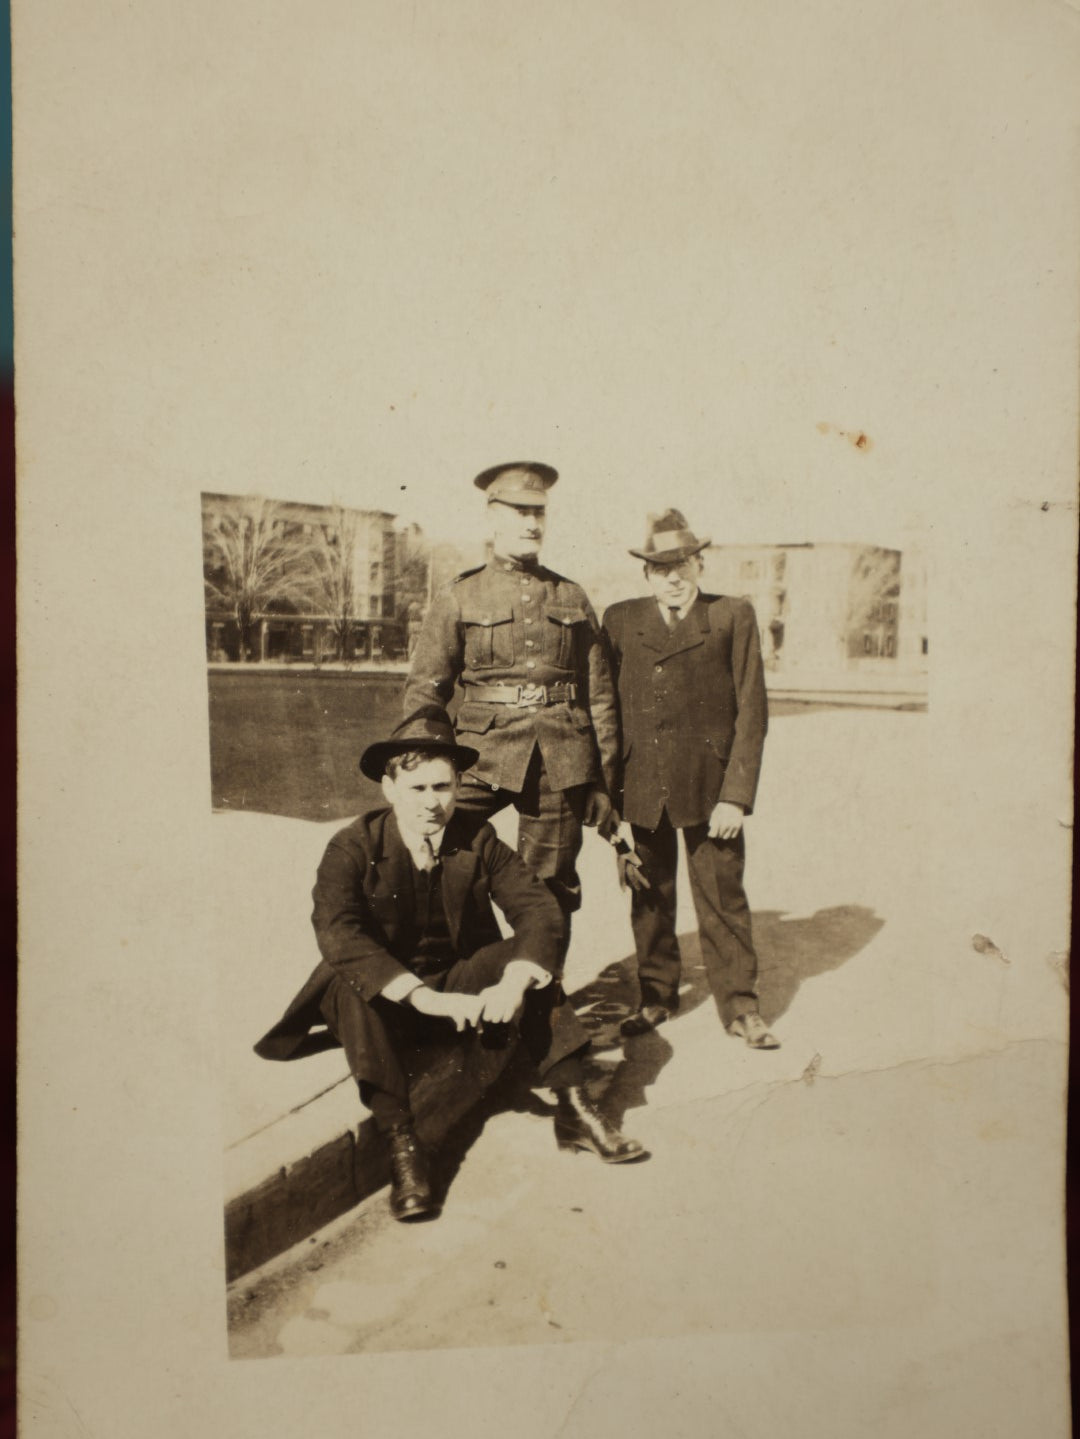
489 1002
548 578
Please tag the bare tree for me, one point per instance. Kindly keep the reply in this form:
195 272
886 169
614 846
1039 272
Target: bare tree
873 594
333 574
253 555
413 574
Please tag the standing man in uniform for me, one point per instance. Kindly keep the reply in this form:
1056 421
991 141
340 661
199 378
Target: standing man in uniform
538 701
694 713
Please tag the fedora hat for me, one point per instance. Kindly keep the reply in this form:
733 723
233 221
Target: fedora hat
426 731
521 482
669 539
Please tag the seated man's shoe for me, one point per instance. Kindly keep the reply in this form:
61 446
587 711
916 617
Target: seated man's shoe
410 1187
580 1125
751 1027
644 1019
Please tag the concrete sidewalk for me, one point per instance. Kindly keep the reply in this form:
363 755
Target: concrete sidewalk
853 977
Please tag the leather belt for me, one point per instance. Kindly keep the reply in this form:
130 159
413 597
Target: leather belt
524 696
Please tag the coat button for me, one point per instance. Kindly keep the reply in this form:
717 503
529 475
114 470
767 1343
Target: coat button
530 664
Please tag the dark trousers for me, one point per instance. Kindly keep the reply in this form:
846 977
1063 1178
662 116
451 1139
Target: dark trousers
723 916
549 827
385 1042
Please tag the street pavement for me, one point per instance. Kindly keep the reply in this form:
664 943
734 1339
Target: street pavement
889 1178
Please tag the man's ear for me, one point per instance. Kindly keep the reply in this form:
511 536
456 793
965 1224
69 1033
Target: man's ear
388 788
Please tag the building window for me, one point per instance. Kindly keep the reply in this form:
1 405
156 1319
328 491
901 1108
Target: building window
925 645
890 647
375 569
869 644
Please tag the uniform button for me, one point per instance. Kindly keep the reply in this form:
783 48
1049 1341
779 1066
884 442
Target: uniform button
528 622
529 645
528 599
659 670
494 787
530 664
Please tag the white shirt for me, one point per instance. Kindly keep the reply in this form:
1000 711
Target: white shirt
414 843
665 610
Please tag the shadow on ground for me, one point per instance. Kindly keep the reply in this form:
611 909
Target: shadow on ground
790 951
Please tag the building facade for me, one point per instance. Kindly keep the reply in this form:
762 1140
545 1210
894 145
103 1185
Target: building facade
292 581
826 611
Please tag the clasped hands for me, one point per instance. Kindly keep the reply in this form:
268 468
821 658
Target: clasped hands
497 1004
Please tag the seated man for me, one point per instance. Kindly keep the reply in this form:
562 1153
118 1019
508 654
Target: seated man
410 945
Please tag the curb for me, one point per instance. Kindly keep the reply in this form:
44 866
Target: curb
270 1215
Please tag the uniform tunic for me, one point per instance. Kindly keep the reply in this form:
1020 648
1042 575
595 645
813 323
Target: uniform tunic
513 624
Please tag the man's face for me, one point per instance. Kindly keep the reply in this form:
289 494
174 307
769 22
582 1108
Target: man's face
674 585
517 530
423 798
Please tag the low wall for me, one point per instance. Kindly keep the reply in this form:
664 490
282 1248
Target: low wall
288 742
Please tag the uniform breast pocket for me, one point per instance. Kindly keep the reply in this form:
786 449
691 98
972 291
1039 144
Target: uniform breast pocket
562 625
489 638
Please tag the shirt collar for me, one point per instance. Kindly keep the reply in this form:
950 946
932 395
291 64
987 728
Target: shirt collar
414 842
683 612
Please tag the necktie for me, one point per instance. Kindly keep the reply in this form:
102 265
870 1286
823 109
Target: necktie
427 855
673 616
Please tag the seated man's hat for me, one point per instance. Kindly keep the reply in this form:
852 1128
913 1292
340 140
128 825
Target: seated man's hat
426 731
521 482
669 539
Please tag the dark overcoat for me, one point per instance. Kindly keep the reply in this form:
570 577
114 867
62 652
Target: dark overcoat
366 926
693 708
510 624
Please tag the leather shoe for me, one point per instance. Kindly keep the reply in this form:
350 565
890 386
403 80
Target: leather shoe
751 1027
410 1187
644 1019
580 1125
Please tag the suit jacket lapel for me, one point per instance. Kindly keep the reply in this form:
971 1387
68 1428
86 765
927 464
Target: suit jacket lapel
392 864
652 631
459 866
687 634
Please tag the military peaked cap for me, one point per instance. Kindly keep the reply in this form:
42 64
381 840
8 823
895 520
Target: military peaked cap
521 482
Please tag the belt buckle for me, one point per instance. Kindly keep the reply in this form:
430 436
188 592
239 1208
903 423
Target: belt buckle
531 694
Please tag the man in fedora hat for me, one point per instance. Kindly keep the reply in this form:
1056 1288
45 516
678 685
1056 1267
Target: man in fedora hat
694 713
538 703
411 952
